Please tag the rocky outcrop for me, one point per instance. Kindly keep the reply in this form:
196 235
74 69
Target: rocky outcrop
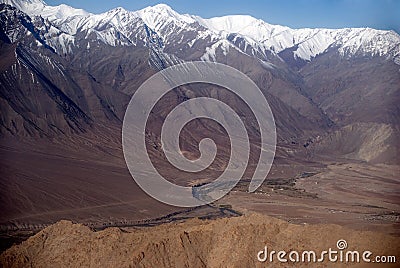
227 242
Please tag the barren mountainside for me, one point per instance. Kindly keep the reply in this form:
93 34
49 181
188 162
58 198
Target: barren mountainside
83 68
67 76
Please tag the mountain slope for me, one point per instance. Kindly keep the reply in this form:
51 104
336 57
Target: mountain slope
285 63
66 80
88 43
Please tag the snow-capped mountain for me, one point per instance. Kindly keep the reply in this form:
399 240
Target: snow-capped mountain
64 70
181 32
39 7
67 77
309 42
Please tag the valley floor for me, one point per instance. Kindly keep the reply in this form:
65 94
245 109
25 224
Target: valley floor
95 189
357 195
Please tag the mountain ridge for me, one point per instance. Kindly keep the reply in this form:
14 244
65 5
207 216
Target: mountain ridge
301 97
194 243
66 79
241 31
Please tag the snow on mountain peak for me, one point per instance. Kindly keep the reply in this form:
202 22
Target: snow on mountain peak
27 6
243 30
62 11
22 2
163 7
153 16
39 7
243 24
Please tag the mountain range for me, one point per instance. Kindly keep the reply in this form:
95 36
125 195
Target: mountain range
251 36
67 75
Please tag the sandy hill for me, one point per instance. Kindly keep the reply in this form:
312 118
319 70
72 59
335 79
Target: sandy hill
227 242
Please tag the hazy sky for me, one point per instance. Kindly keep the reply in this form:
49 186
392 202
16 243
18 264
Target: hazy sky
380 14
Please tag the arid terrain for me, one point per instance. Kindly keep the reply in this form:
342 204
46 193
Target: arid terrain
307 198
356 195
67 197
229 242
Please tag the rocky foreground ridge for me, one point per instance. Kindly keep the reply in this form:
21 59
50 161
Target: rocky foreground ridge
226 242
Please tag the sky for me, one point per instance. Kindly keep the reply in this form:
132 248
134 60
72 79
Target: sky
379 14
